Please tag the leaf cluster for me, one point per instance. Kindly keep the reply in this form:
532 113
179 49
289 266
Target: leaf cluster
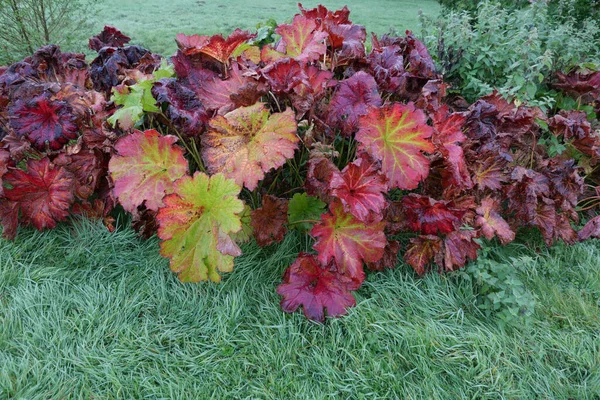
362 150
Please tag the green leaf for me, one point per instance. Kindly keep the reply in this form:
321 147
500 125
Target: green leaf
195 226
303 207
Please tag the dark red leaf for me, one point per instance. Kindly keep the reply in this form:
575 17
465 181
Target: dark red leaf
185 110
488 171
110 36
43 194
352 100
269 221
361 187
389 259
458 247
317 289
320 172
285 74
5 161
386 64
44 122
88 167
421 251
591 229
428 216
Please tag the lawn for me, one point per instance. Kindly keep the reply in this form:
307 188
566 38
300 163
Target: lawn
154 23
89 314
85 313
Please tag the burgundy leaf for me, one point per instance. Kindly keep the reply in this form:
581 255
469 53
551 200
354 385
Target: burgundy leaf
361 187
43 194
352 100
317 289
269 221
428 216
110 36
44 122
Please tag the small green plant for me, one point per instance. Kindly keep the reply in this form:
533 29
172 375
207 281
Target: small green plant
515 51
501 292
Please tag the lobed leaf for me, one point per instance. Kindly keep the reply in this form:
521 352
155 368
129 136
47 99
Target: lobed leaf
348 241
195 225
145 168
397 135
42 195
317 289
248 142
268 222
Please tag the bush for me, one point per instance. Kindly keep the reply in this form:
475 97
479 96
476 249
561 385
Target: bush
26 25
501 292
238 137
513 51
577 11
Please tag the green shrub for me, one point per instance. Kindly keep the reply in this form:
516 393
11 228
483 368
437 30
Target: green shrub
501 292
560 10
514 51
26 25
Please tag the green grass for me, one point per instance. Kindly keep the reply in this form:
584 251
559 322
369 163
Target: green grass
89 314
154 23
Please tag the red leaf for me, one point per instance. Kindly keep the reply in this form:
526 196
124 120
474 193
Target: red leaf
323 15
420 252
320 173
306 283
360 186
308 92
447 139
43 194
43 121
591 229
301 40
269 221
387 67
145 169
4 163
348 42
488 171
397 135
88 168
491 222
352 100
238 90
215 46
579 82
283 75
110 36
428 216
525 192
9 218
348 242
457 249
389 259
